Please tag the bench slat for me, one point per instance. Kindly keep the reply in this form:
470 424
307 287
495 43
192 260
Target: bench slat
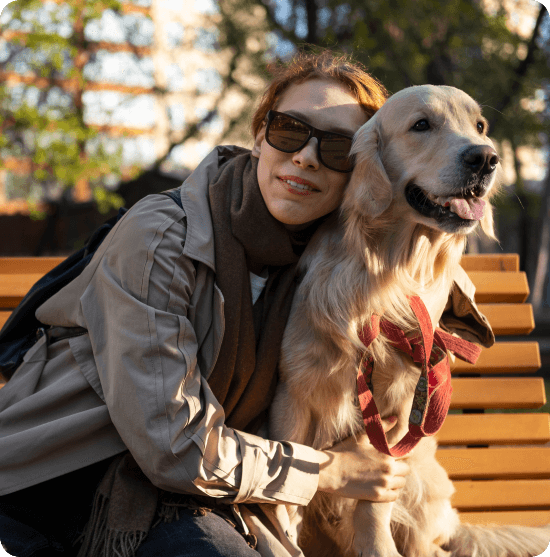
520 518
501 494
497 287
4 315
490 262
10 302
503 357
496 463
492 392
26 265
509 319
495 429
505 319
13 287
491 287
470 262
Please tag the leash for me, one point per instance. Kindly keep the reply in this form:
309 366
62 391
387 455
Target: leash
432 395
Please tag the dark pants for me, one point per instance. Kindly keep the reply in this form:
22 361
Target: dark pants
45 520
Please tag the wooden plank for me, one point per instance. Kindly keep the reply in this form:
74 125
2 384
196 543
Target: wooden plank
509 319
502 392
496 462
4 315
13 288
9 301
28 265
501 494
495 429
502 358
505 319
490 262
520 518
498 287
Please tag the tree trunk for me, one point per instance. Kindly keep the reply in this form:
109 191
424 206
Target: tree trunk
541 268
311 11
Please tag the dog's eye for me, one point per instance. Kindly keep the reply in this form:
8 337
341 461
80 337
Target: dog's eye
480 127
421 126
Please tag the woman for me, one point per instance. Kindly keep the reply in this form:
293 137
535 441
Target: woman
159 400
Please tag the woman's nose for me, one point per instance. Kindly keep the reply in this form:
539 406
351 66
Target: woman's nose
307 157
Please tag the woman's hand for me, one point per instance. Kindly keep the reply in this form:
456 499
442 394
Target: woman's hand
354 468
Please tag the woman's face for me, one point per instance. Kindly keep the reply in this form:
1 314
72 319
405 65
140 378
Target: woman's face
328 106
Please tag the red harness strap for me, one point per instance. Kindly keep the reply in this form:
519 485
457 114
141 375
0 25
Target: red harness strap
432 395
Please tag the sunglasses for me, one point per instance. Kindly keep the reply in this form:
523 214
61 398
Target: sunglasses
289 134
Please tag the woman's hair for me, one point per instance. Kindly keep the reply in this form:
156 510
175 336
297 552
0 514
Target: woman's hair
369 92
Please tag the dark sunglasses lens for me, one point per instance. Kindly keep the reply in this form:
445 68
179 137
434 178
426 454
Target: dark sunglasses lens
335 152
287 134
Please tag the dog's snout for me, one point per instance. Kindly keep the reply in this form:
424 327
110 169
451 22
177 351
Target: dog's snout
480 159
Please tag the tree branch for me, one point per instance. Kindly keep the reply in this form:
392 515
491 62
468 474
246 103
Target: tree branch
195 128
521 69
311 11
276 26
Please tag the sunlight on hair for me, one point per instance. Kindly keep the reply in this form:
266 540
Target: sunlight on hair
3 4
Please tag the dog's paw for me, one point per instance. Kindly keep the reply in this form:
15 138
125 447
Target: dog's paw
366 548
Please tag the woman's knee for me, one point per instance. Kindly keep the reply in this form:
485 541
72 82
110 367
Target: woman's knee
195 535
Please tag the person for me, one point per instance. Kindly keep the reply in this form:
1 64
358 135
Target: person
136 423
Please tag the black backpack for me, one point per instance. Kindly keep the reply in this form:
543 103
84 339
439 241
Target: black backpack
22 329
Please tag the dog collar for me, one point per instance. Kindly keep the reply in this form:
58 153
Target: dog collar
432 395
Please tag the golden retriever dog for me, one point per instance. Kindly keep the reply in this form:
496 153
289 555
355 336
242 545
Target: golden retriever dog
424 175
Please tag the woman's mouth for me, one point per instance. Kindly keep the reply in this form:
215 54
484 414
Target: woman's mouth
298 185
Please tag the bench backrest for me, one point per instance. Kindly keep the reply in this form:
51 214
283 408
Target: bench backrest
492 445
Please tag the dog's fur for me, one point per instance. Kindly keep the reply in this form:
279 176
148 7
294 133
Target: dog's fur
367 261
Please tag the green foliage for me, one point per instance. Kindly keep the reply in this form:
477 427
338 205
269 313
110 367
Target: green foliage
402 42
107 200
443 42
35 212
42 123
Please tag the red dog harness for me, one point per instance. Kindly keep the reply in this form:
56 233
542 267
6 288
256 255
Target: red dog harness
432 395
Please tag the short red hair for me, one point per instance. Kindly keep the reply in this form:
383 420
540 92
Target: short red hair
368 91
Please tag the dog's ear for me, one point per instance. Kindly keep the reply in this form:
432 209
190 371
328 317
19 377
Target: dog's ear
369 189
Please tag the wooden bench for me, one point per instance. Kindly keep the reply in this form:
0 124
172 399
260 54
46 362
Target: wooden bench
498 461
491 449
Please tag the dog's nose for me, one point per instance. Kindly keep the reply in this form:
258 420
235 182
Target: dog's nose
480 159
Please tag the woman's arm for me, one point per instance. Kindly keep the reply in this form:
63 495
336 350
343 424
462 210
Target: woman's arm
355 469
137 309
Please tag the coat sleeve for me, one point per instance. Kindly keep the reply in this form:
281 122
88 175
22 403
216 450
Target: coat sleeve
136 308
461 315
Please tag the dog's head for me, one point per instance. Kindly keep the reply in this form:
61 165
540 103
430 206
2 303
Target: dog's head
426 155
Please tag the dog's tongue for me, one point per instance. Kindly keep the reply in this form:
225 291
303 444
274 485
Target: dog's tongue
470 209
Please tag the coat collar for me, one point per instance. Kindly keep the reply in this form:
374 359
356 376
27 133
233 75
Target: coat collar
199 241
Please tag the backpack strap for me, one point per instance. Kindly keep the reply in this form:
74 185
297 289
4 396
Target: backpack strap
22 329
175 195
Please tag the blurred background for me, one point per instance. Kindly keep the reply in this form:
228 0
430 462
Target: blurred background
105 101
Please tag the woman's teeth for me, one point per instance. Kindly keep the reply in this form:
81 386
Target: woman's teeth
298 186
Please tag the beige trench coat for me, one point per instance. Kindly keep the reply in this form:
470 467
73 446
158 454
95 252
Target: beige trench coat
138 378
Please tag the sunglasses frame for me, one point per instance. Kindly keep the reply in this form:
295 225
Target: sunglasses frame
313 132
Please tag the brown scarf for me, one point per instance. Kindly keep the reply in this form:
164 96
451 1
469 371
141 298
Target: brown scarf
244 377
245 374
